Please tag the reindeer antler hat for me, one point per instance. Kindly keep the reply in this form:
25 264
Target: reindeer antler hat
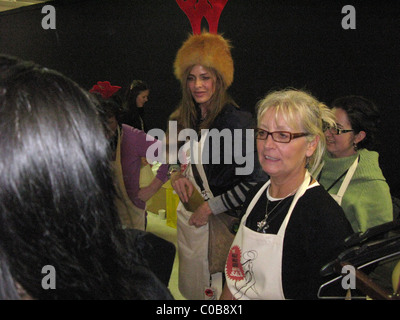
208 49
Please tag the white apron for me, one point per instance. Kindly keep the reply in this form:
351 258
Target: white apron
254 266
131 216
339 196
194 275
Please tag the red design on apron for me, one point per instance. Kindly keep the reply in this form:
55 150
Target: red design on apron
260 256
234 269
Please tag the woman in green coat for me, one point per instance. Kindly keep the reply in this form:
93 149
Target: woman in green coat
351 171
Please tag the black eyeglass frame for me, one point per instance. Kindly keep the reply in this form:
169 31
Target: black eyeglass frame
338 131
291 135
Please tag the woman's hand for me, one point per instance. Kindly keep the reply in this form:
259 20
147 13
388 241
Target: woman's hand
200 217
146 193
184 189
182 186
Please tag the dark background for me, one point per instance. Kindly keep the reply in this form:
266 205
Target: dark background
277 44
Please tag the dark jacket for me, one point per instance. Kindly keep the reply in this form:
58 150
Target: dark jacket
222 177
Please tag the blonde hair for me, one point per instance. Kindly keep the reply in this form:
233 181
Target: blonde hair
303 111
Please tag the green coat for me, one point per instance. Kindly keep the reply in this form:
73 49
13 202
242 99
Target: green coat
367 201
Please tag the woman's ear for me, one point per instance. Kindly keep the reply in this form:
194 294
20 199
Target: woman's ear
359 137
312 146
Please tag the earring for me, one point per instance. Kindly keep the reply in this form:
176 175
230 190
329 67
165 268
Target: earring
355 146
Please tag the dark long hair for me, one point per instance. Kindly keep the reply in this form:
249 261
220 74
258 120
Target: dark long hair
57 192
132 114
188 113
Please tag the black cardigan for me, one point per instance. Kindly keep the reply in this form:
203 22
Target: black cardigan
222 177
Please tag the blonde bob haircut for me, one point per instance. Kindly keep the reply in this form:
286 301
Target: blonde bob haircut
302 112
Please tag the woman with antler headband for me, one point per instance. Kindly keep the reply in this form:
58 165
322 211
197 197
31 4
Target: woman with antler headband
204 67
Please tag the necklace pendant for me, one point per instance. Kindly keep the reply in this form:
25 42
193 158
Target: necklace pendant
262 226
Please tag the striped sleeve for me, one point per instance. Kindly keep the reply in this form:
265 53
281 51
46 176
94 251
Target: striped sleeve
231 199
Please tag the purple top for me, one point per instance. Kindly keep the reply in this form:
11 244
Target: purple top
133 147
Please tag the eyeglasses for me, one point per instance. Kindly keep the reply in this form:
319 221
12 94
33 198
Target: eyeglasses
278 136
337 131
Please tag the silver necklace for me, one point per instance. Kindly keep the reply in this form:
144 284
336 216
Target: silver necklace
263 225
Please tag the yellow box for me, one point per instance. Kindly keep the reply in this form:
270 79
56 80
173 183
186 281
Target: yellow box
166 199
172 201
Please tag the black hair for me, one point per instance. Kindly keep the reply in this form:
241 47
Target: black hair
8 289
363 115
57 190
131 113
135 88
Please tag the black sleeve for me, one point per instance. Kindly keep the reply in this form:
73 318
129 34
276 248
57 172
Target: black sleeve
314 236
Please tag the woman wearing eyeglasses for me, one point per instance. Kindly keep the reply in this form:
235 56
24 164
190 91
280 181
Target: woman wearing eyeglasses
351 172
291 226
